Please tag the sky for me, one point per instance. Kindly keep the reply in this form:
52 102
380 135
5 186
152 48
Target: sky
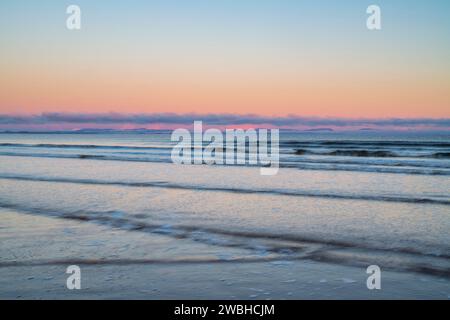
267 58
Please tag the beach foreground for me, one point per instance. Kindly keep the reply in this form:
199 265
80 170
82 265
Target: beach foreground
121 265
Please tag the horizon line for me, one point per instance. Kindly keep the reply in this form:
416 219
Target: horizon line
63 121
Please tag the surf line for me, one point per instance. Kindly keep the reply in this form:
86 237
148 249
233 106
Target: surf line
235 146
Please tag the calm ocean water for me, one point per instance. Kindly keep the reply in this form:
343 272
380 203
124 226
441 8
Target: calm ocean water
344 198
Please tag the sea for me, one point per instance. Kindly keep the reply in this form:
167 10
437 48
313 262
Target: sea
345 198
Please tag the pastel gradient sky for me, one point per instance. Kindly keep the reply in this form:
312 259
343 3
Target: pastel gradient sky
280 57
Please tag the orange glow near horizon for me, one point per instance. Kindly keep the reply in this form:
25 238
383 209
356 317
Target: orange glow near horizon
35 90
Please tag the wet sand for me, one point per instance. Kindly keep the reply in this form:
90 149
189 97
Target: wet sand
118 264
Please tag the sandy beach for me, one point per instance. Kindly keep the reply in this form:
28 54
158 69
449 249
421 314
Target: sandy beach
117 264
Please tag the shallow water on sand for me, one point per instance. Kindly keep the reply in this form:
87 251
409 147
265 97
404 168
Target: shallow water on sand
390 208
